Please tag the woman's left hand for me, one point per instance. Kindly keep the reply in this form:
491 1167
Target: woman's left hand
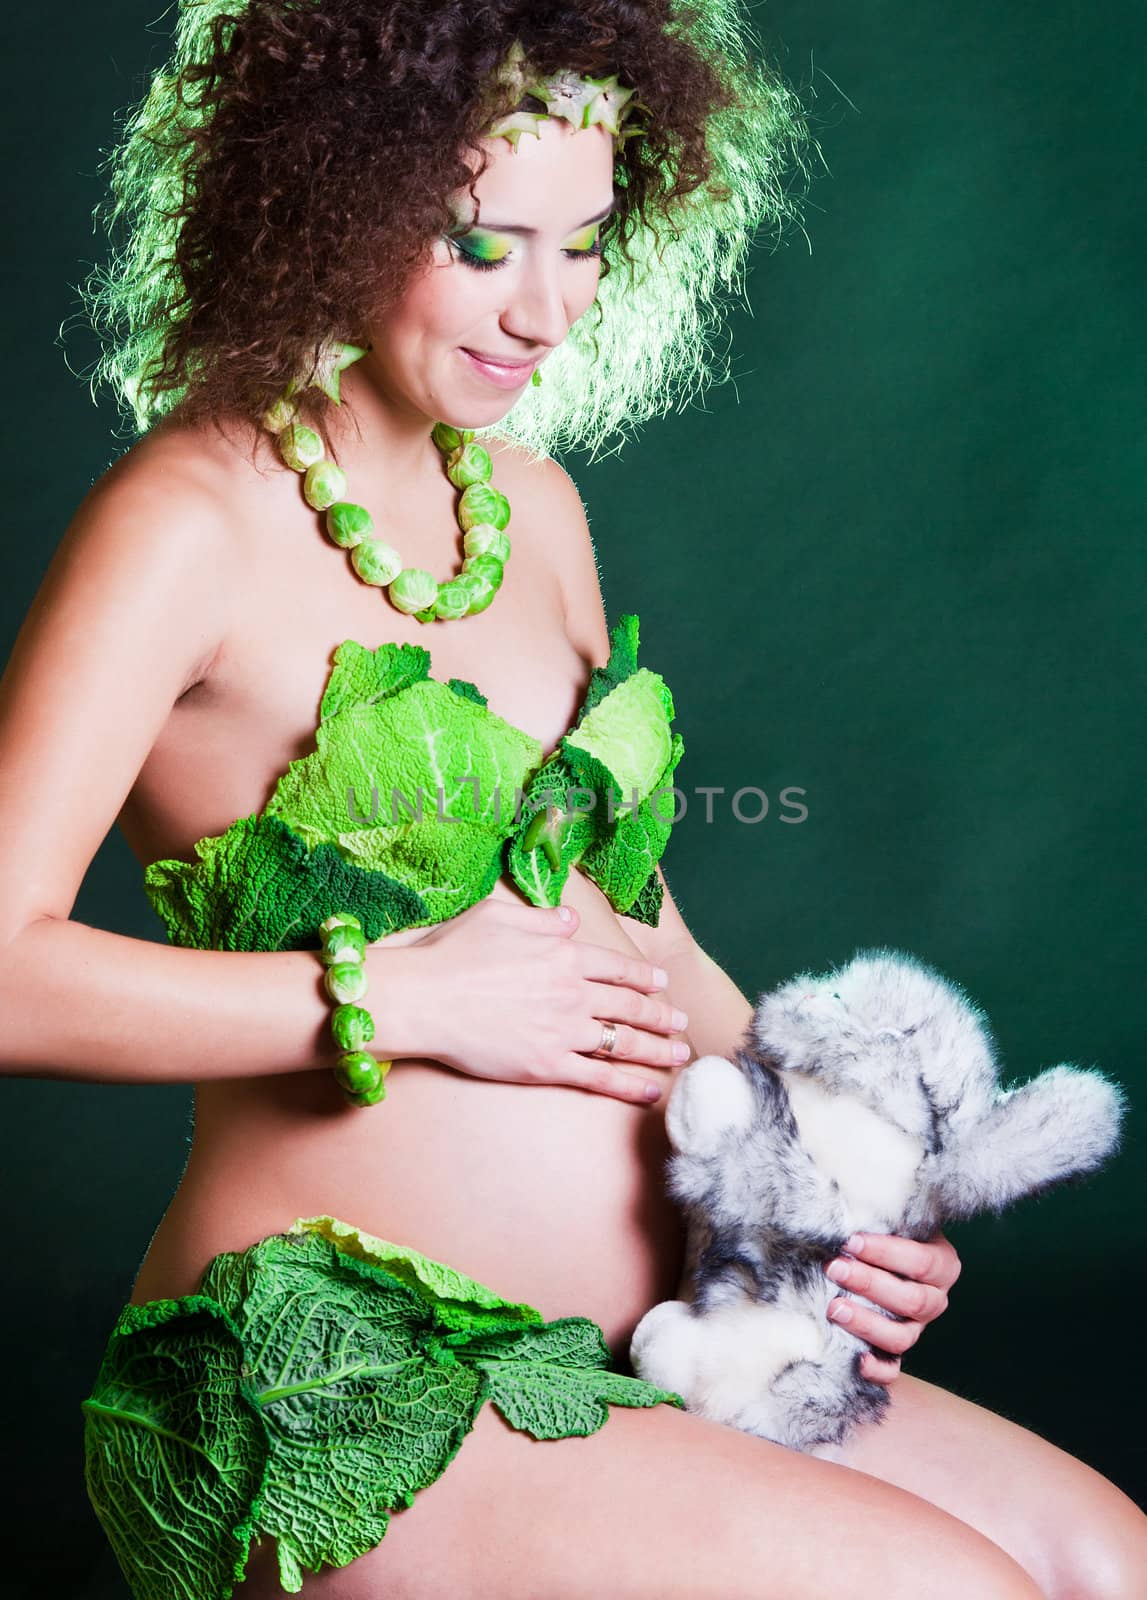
907 1277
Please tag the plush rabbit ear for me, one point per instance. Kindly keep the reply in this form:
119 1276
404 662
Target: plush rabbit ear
1061 1125
710 1099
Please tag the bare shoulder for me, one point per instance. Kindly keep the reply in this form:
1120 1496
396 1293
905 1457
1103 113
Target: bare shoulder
556 505
171 502
199 466
189 471
161 512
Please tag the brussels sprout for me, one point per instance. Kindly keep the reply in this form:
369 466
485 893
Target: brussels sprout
483 596
485 539
343 944
281 414
486 566
370 1096
414 589
339 919
351 1027
348 524
470 463
300 447
346 982
323 485
357 1072
376 561
501 518
453 599
479 503
446 437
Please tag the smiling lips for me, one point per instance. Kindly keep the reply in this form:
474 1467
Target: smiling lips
507 374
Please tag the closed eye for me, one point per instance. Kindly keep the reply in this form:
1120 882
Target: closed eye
479 264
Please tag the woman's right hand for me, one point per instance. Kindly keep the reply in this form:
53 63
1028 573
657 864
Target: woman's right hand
504 992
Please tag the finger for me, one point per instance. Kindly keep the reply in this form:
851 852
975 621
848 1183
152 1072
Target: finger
947 1249
615 1003
923 1302
602 964
933 1261
632 1044
895 1337
880 1369
601 1077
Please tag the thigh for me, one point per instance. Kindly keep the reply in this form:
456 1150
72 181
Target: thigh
1067 1525
660 1505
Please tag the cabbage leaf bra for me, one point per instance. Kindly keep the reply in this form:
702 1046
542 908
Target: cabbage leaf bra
417 798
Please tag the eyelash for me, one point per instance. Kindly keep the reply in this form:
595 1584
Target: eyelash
489 266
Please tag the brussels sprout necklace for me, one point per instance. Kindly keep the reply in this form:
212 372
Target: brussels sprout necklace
483 512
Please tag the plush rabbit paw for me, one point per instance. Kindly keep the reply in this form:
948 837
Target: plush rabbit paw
710 1099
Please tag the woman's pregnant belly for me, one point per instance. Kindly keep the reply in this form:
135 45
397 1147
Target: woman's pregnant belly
551 1195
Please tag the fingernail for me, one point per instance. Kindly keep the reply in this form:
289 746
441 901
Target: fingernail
840 1311
652 1091
565 913
660 977
680 1051
837 1271
678 1018
855 1244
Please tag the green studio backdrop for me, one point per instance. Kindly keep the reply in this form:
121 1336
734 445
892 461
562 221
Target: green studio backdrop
897 564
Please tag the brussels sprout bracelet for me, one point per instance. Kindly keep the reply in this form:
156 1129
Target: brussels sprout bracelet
483 511
358 1072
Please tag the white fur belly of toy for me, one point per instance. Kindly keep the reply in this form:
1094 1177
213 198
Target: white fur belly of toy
872 1161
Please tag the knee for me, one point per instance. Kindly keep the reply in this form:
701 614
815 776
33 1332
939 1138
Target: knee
1098 1545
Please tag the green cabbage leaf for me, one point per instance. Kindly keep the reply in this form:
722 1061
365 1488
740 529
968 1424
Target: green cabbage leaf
417 799
314 1383
619 757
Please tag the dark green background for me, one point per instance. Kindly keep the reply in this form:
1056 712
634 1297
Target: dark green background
899 564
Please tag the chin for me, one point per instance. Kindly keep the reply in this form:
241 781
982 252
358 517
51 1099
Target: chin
470 414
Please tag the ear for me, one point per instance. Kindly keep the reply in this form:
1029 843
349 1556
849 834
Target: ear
710 1099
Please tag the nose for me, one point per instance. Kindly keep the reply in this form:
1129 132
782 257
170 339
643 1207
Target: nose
537 311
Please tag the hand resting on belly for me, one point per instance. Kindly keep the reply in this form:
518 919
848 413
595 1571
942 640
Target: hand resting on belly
509 991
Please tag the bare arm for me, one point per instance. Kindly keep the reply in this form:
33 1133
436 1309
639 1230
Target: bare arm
133 606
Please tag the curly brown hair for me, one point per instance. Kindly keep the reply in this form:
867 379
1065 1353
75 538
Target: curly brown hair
289 169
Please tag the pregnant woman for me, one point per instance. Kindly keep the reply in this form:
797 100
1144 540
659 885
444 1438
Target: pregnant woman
430 1050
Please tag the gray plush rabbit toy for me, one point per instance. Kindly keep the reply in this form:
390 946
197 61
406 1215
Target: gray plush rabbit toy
864 1099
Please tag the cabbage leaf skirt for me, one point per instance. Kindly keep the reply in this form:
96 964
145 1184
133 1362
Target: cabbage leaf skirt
311 1386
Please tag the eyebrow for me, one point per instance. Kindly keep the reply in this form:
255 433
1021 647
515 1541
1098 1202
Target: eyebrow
530 233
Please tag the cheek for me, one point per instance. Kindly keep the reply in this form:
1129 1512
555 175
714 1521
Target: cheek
584 296
438 308
448 300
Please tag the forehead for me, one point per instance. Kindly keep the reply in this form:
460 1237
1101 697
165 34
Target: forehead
549 181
